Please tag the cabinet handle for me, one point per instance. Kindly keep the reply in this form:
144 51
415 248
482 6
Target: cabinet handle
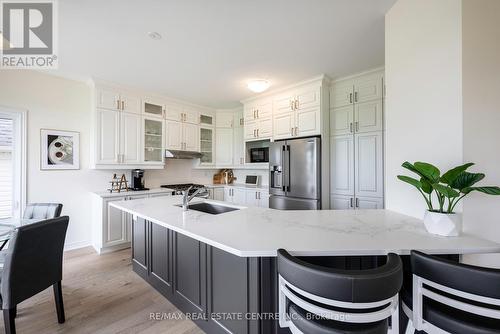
123 105
357 202
254 114
257 113
351 202
357 126
355 96
350 127
241 121
255 195
118 104
258 194
257 132
291 105
291 130
296 103
350 97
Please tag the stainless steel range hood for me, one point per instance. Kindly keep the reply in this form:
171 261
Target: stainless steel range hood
175 154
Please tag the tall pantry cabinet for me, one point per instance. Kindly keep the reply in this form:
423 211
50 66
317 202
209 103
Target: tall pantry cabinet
356 142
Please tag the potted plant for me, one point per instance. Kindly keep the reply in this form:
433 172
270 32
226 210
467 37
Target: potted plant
448 189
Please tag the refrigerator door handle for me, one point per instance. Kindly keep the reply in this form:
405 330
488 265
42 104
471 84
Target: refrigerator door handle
286 163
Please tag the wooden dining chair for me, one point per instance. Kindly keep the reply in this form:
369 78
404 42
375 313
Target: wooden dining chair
33 263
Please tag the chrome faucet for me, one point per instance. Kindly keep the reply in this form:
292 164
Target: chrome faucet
186 198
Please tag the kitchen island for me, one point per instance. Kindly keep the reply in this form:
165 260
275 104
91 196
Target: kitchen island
220 269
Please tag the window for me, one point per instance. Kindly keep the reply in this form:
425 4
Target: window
12 163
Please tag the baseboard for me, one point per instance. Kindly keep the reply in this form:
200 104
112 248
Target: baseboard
76 245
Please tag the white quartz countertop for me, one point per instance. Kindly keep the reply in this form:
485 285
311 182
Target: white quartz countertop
107 194
256 232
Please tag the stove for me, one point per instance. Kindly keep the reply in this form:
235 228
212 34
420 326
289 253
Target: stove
179 188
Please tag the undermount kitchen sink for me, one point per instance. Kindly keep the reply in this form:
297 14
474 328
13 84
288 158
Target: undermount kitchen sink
213 209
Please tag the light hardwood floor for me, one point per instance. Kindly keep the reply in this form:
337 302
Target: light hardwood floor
101 295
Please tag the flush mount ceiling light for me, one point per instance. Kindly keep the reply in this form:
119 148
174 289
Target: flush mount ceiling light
154 35
258 86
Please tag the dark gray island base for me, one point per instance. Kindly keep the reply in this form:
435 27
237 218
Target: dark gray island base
222 292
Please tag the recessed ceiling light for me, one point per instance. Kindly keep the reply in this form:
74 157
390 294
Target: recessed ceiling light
259 85
154 35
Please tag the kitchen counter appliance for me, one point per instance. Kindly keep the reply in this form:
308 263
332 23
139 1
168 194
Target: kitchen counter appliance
179 188
137 180
295 174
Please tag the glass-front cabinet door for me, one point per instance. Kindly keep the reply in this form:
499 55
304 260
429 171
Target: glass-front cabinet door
207 119
153 139
152 107
207 146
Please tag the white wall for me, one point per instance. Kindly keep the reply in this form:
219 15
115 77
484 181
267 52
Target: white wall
423 93
481 115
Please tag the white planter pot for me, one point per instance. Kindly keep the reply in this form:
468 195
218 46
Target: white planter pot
445 224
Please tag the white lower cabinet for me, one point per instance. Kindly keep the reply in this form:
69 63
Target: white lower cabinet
343 202
112 227
247 197
257 197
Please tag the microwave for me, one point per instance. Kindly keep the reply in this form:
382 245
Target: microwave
260 154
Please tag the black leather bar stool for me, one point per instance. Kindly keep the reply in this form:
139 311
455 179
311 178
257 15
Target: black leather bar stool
320 300
450 297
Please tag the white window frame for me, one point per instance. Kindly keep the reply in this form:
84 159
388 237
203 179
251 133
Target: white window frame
19 156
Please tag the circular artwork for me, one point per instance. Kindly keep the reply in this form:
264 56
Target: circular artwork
60 150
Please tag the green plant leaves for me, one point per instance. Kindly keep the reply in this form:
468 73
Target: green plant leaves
426 186
486 190
466 180
445 190
410 180
412 168
428 171
453 173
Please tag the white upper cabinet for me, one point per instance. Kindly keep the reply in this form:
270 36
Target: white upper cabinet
307 121
283 125
174 140
191 115
130 138
224 119
174 112
258 119
224 147
207 145
357 105
342 94
107 139
369 164
307 97
113 99
191 136
368 116
297 113
130 103
341 121
153 107
368 88
342 165
259 109
108 99
153 130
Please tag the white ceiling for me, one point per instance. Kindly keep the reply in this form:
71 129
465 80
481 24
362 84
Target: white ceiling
211 48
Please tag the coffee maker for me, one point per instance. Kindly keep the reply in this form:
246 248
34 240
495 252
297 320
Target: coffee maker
137 180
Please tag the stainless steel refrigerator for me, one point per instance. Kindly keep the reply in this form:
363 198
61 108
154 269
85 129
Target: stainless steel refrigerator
295 174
